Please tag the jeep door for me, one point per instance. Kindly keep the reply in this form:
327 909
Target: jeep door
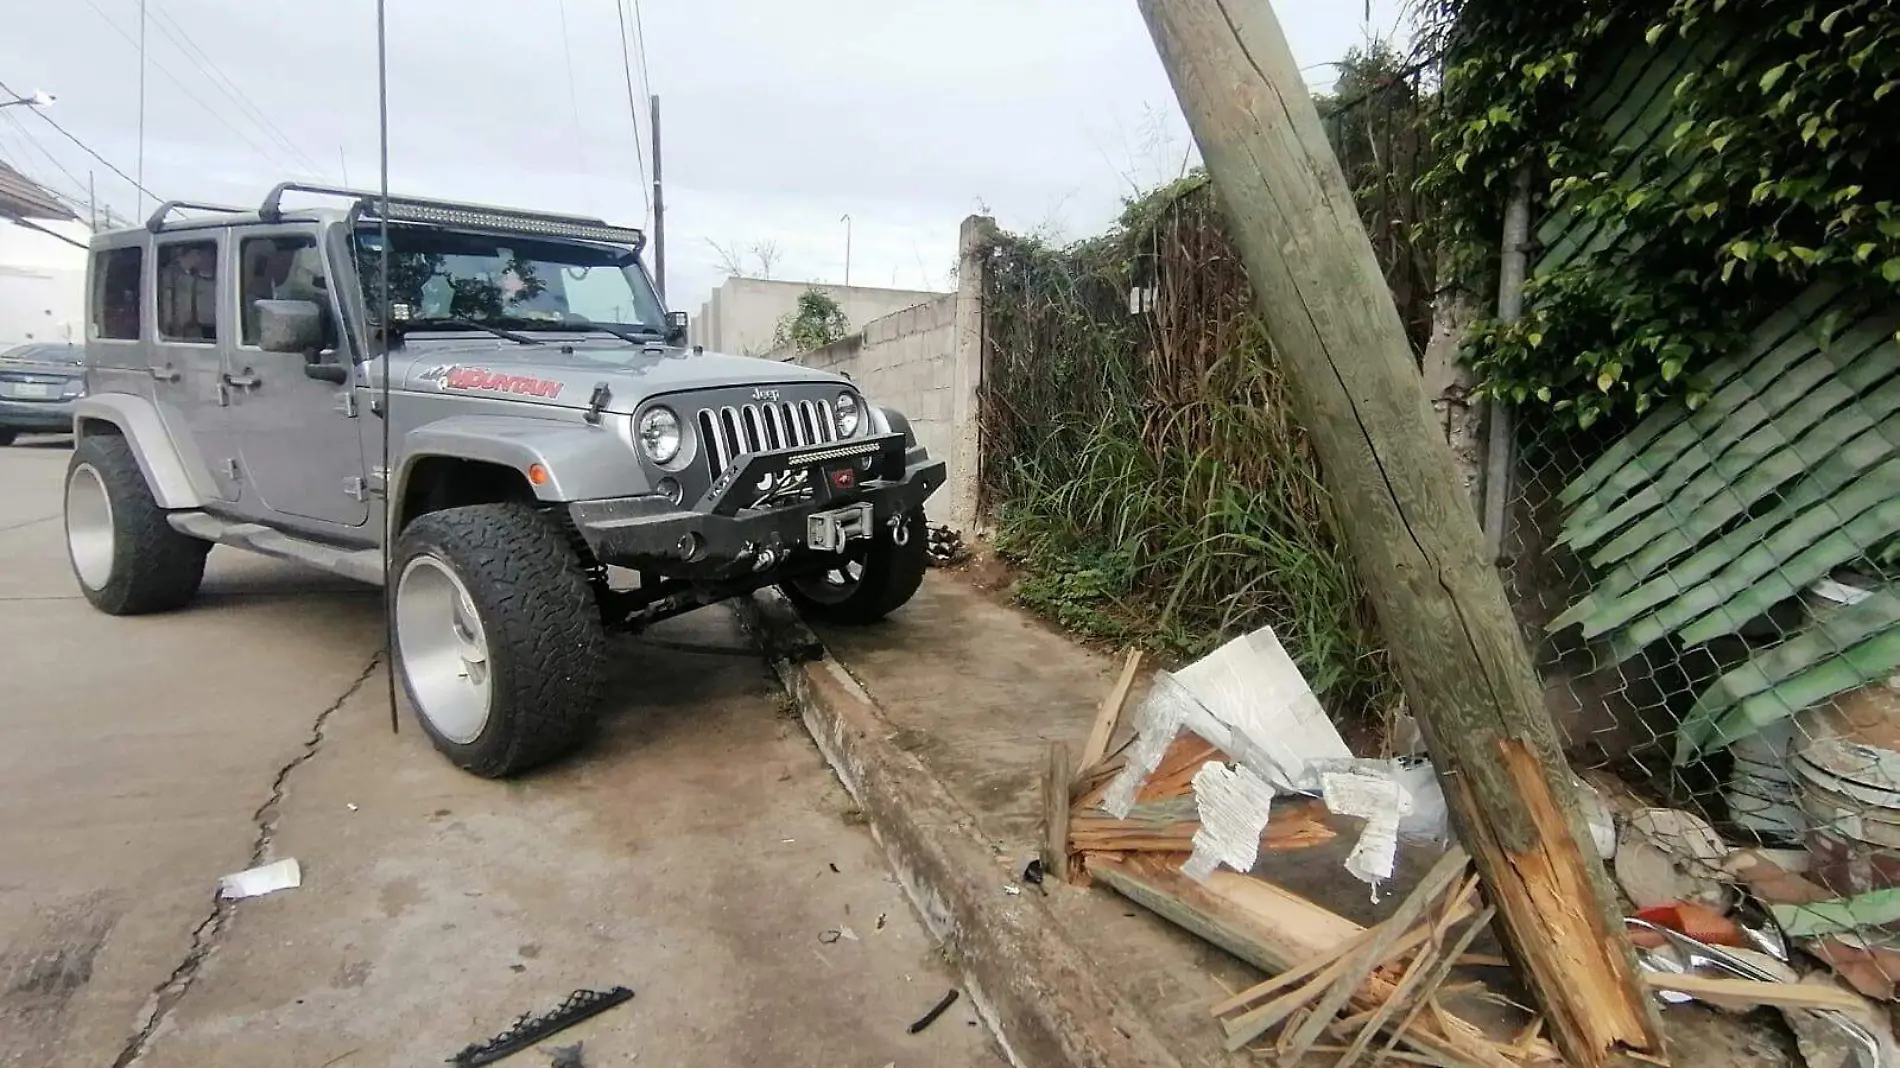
188 386
297 434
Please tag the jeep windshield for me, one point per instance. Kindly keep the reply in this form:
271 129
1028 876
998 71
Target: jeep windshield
452 280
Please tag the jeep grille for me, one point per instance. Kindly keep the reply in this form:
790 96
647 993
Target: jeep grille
731 432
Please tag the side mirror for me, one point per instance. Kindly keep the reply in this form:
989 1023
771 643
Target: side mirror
289 325
676 328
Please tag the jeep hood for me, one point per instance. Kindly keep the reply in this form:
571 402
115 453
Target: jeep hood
564 372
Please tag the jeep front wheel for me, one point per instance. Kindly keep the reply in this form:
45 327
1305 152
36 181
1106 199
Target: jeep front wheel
879 577
498 642
127 557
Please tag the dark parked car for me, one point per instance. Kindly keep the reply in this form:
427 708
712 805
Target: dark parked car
38 385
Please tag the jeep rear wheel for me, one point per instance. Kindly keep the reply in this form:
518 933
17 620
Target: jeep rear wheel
498 642
127 558
863 588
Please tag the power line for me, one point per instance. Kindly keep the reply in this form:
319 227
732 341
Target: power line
27 135
189 95
573 100
223 82
41 112
633 108
640 38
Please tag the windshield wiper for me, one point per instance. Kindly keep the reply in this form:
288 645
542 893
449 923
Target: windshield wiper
470 324
629 336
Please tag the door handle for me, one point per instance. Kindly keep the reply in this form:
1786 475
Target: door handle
247 380
166 373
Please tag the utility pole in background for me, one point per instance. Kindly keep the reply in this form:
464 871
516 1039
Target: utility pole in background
1420 555
846 220
659 203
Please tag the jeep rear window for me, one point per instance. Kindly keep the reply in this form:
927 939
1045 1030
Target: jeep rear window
505 280
117 275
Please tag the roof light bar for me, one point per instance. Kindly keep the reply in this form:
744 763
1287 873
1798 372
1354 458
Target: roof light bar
510 222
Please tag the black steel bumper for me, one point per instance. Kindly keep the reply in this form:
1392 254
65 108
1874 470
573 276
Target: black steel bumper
758 506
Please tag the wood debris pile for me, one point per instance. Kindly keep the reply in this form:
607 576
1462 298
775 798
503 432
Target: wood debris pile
1408 988
1364 993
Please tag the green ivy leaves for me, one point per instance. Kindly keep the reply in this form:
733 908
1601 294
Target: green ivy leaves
1776 162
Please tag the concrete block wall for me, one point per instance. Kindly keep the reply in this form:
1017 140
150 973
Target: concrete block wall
902 361
926 362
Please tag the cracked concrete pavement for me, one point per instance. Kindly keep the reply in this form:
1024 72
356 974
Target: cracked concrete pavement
696 853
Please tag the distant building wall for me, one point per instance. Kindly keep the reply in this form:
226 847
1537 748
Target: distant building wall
926 362
743 313
42 284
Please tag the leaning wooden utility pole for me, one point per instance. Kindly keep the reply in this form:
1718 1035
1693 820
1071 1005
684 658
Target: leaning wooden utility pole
1450 632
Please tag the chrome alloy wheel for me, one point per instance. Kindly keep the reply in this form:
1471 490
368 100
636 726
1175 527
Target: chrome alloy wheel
89 535
444 649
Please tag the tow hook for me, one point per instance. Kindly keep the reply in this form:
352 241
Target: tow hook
900 530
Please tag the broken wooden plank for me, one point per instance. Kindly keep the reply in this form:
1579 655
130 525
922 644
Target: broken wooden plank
1298 825
1740 993
1055 813
1109 715
1274 930
1259 992
1450 869
1246 1028
1409 988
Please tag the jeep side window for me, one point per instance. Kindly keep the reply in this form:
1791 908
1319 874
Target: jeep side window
117 275
188 291
285 267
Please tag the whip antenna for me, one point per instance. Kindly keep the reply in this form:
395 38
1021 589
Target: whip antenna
382 346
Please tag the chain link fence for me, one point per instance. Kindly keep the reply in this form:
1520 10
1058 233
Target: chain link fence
1709 598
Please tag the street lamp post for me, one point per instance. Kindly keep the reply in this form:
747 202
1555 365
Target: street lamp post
40 99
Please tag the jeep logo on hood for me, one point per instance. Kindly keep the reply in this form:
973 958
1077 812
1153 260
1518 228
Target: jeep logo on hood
770 395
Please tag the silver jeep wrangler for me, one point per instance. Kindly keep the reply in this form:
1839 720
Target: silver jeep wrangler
545 461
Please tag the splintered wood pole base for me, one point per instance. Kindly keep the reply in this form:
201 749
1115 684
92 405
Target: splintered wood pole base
1420 556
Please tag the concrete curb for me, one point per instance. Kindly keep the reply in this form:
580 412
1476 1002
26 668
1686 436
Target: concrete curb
1040 995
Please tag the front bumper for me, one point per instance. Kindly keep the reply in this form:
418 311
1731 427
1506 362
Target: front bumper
53 417
727 532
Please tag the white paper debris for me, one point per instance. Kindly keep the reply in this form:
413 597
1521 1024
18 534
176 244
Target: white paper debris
1252 686
1234 804
1157 721
1012 890
278 875
1377 798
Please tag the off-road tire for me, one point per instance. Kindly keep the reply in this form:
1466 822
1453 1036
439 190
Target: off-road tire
546 646
7 436
890 577
155 568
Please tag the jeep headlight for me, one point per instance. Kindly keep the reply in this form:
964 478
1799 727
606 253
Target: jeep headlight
850 415
659 435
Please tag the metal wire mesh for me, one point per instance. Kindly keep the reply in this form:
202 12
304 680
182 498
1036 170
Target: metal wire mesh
1716 630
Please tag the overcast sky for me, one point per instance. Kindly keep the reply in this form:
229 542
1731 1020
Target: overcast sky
779 117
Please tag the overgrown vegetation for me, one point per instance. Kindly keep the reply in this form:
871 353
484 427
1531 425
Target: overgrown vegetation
817 321
1776 166
1140 458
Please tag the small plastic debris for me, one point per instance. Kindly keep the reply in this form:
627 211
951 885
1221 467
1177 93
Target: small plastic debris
1012 889
268 878
787 841
936 1010
829 937
565 1056
350 805
847 934
529 1029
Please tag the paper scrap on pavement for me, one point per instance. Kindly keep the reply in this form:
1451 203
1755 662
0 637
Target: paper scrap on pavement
268 878
1234 805
1377 798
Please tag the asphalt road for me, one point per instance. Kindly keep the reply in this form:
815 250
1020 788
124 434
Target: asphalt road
699 853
